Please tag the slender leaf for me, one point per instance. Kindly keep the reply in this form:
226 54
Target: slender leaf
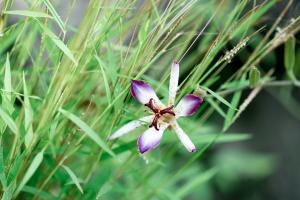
106 84
28 116
58 43
53 12
88 130
73 177
28 13
37 160
196 182
9 121
217 96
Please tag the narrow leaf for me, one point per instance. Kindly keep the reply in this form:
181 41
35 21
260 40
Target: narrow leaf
216 107
28 116
73 177
58 43
30 171
2 167
254 76
106 84
217 96
88 130
57 18
8 120
7 79
195 182
289 54
27 13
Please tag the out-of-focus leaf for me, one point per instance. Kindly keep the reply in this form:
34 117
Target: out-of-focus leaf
58 43
195 182
289 54
27 13
88 130
37 160
28 116
73 177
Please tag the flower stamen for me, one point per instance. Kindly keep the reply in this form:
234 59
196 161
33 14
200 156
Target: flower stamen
158 113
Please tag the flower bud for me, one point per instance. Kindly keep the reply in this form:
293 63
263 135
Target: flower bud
254 76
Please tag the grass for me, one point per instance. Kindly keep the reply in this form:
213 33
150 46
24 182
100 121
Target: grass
65 89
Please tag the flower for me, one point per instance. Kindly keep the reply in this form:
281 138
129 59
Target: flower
163 116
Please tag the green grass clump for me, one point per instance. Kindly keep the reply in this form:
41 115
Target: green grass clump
65 88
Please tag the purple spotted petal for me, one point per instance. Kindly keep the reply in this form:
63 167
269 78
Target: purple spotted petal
150 139
143 92
188 105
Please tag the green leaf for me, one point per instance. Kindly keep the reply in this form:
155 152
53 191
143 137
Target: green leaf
27 13
217 96
28 116
106 84
216 107
7 100
2 168
57 18
254 77
289 54
37 191
200 139
7 79
195 182
73 177
9 121
37 160
58 42
235 101
88 130
6 95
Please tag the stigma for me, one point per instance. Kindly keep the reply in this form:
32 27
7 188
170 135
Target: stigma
158 113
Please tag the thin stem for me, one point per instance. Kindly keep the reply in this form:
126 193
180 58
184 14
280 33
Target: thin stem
267 84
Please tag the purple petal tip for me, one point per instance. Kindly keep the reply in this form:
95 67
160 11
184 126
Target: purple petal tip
196 103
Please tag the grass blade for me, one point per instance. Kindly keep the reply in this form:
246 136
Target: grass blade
106 84
9 121
55 15
217 96
88 130
28 13
30 171
196 182
28 116
58 43
2 167
73 177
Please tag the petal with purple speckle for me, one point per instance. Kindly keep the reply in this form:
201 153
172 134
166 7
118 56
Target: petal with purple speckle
188 105
150 139
143 92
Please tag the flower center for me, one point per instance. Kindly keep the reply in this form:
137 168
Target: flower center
158 113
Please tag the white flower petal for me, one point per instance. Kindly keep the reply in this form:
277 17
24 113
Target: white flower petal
131 126
188 105
143 92
185 140
174 77
150 139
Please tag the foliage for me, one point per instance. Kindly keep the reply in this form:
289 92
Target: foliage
65 89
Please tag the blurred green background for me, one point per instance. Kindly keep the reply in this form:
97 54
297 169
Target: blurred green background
265 166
